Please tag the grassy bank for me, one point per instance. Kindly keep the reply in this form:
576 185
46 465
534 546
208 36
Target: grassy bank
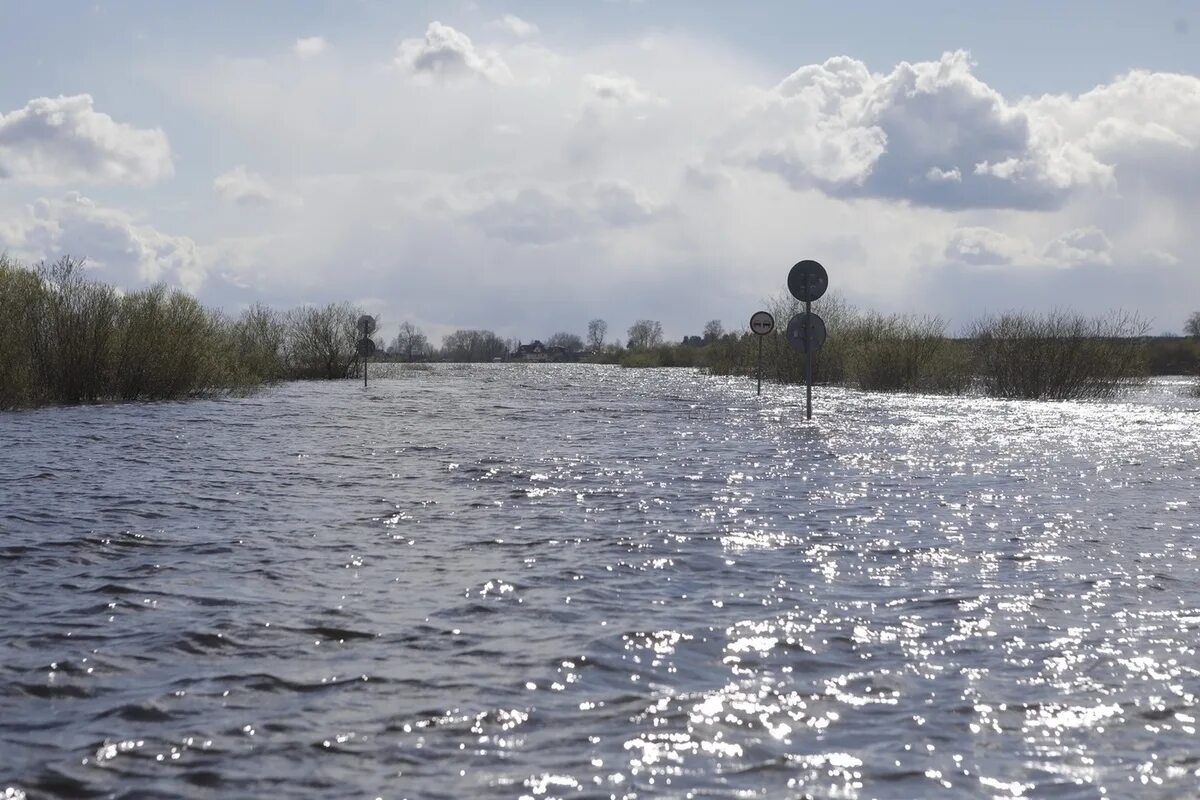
65 338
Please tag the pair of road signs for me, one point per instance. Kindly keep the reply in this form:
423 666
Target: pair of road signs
806 331
807 281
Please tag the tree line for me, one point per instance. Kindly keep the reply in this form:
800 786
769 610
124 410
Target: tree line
67 339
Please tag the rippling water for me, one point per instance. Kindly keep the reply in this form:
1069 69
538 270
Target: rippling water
505 581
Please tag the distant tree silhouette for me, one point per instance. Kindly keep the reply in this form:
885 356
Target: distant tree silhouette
1192 326
713 330
645 333
410 343
597 328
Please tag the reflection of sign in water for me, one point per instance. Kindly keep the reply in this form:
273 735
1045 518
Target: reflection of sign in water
366 348
762 323
366 324
806 332
807 281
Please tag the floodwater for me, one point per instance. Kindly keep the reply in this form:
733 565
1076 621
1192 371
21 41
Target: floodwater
572 581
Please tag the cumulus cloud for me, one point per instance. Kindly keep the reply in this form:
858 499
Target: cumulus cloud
123 250
984 247
244 188
517 26
65 140
930 133
310 46
448 54
1080 246
619 158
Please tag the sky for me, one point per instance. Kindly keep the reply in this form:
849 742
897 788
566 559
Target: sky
527 166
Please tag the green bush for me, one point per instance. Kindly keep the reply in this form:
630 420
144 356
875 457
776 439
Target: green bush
65 338
905 354
19 294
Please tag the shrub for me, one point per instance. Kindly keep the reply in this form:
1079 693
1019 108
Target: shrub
321 341
905 354
19 293
71 332
1057 356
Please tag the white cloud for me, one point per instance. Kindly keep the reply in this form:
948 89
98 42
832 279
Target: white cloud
930 133
121 249
620 204
310 46
449 54
533 216
244 188
63 139
981 246
601 179
1081 246
517 26
613 88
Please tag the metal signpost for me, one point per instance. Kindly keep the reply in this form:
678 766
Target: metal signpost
761 323
807 281
366 346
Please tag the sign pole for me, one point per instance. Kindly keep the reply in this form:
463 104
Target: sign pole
760 366
807 281
366 360
807 356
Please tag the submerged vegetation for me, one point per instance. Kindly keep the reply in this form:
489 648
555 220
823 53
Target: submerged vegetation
65 338
1054 356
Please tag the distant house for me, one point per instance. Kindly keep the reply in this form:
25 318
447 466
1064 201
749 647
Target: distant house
535 351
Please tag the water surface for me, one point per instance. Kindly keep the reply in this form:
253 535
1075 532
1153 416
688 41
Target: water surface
544 581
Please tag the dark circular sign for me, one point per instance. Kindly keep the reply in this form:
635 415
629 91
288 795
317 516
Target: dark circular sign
366 324
366 348
806 332
807 281
762 323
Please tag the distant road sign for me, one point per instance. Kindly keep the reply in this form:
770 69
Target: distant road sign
762 323
806 331
807 281
366 324
366 348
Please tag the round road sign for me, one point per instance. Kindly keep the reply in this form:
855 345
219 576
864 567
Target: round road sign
366 324
806 332
762 323
366 348
807 281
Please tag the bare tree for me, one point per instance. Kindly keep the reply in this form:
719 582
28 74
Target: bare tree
645 333
713 330
322 341
1192 326
410 343
472 345
597 328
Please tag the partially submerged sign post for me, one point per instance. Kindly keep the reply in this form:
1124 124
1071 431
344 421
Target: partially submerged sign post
761 323
807 281
366 346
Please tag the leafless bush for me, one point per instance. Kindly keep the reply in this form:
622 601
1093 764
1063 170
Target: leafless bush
1060 355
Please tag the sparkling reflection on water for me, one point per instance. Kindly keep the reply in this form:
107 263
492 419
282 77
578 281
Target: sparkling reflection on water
505 581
